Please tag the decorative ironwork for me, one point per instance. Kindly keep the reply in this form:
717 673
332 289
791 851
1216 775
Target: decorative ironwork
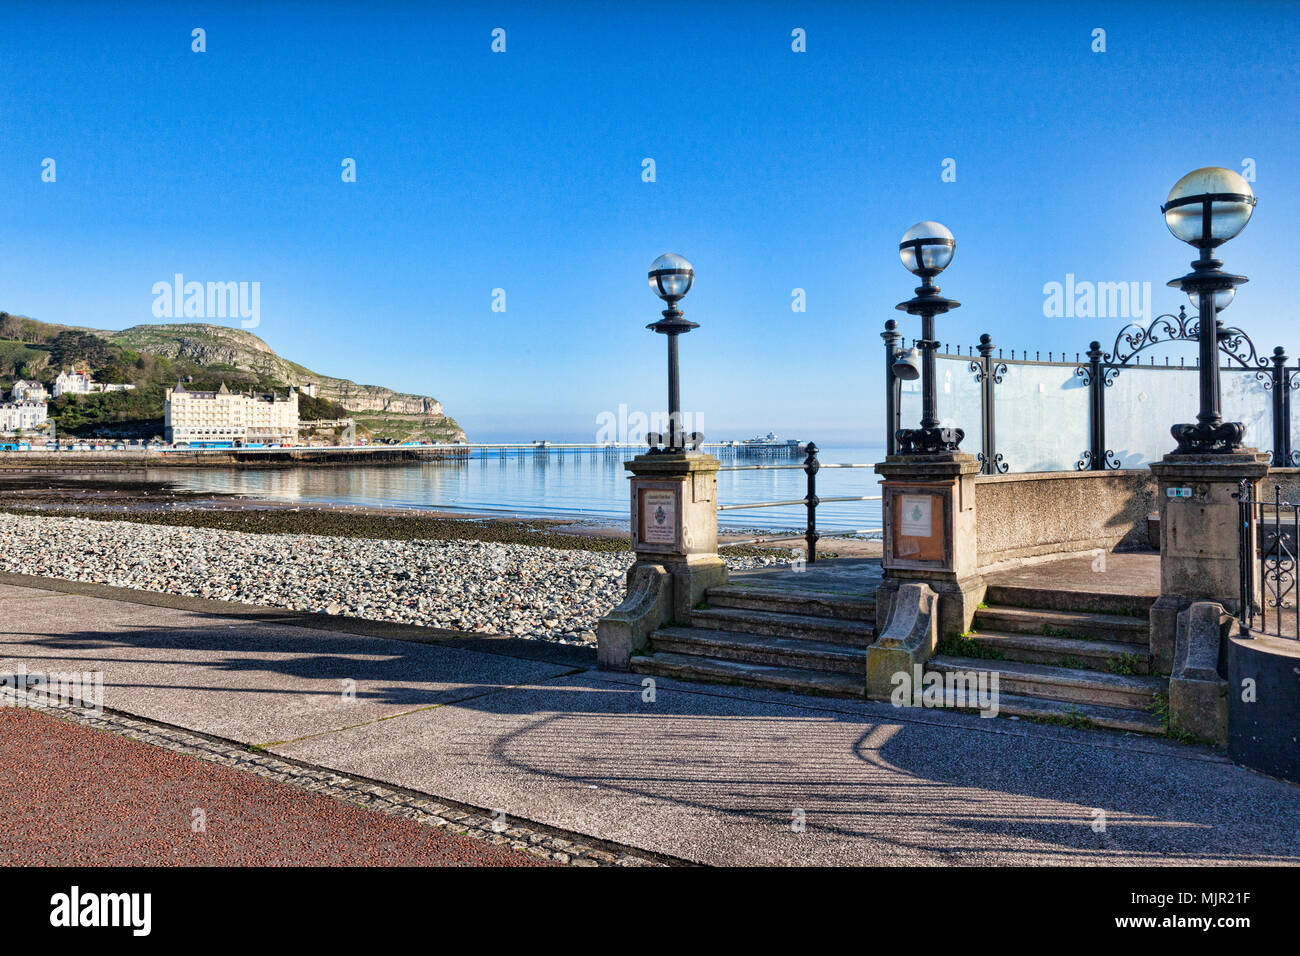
929 441
1162 329
1106 460
1100 371
1199 438
663 443
995 372
1268 567
1134 339
995 465
1236 344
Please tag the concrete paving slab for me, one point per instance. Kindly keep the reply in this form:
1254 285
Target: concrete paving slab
249 682
1136 573
722 778
854 577
11 592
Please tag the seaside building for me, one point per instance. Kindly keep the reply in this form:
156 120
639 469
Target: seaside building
72 382
23 416
80 383
226 416
24 391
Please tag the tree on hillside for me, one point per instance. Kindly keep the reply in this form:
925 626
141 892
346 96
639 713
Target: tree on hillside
81 349
18 329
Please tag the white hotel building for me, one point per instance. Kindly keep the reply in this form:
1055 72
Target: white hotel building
226 416
23 416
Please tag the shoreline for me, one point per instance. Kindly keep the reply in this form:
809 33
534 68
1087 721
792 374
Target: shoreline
295 456
503 579
158 501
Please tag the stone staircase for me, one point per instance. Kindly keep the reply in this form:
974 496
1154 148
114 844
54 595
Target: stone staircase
808 642
1064 656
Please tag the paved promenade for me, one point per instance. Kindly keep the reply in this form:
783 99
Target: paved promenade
707 774
77 797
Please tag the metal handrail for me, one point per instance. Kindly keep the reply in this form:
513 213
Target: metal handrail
798 501
800 467
795 534
810 467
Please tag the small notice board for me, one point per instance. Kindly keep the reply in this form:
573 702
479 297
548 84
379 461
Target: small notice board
659 516
918 527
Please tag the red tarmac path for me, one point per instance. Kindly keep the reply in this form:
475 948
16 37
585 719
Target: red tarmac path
73 796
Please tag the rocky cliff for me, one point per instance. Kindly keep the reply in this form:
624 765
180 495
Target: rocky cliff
387 413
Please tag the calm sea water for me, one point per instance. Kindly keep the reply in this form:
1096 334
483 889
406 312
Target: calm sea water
559 484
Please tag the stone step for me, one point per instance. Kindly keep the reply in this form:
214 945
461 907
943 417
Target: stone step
1111 718
799 680
1037 649
793 602
1115 628
761 649
800 626
1128 605
1065 684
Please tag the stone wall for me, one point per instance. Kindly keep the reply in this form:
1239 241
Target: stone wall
1287 478
1022 517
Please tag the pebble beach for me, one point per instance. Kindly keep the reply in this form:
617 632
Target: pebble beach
521 590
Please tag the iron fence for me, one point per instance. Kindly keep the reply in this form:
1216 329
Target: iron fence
810 500
1097 371
1269 530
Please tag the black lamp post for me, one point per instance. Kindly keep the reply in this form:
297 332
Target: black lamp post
926 250
1206 208
670 278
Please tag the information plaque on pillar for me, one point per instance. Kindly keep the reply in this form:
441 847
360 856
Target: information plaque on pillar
918 527
659 517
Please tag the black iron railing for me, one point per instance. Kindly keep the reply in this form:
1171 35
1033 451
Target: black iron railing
1269 531
1097 369
810 500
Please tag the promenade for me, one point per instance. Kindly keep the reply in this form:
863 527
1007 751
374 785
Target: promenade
696 773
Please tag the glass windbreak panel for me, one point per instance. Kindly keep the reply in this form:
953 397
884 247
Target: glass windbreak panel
957 395
1246 400
1142 404
1295 417
1042 417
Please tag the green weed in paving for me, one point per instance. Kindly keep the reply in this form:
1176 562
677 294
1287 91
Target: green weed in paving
965 647
1126 665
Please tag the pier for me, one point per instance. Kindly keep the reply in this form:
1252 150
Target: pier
724 449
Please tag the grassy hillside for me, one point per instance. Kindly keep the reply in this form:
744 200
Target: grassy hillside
204 356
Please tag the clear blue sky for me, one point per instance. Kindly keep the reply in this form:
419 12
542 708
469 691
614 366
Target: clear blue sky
522 171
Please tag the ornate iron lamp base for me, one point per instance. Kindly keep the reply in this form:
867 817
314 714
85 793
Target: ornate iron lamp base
663 445
1202 439
929 441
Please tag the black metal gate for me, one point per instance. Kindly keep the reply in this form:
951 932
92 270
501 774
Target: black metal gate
1270 528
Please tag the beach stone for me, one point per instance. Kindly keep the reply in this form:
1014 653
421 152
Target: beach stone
529 591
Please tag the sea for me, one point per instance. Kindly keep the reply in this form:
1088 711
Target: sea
572 484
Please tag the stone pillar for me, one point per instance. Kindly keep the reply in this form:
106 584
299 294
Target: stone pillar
675 537
1200 538
928 504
